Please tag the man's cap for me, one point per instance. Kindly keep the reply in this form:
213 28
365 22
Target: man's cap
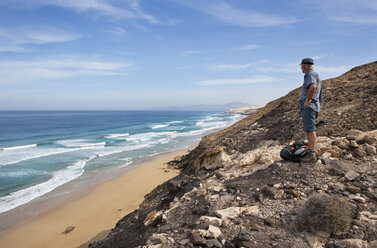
307 61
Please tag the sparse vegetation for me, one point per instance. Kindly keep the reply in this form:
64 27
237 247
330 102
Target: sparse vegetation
322 212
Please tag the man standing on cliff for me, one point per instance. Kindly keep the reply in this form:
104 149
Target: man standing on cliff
310 105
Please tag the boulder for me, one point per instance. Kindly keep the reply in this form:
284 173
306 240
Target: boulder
369 139
355 134
213 232
212 159
370 150
351 175
209 220
234 212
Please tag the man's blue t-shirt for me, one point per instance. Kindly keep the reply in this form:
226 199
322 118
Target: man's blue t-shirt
311 78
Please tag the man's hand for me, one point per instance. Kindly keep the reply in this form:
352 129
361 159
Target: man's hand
307 102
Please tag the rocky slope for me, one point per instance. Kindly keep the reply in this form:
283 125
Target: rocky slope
234 191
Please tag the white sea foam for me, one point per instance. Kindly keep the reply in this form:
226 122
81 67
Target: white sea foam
214 124
142 137
117 136
159 126
128 162
175 122
59 178
17 147
16 156
79 143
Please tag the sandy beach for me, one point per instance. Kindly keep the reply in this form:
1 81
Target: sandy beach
95 214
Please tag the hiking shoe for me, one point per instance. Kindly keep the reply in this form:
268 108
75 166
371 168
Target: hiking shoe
310 157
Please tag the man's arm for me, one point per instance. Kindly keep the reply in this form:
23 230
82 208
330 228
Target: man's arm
310 95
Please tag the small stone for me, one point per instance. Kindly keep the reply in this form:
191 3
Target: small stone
355 227
353 190
370 150
371 195
326 155
354 144
213 232
370 139
153 218
269 221
184 241
295 193
280 194
197 239
348 156
334 171
213 243
351 175
220 174
360 153
358 199
360 185
277 236
269 192
68 230
254 226
244 235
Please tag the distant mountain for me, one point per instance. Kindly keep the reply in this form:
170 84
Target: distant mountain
218 107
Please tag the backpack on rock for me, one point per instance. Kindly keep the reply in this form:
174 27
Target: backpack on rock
295 152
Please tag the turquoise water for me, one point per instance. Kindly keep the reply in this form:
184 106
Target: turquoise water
43 150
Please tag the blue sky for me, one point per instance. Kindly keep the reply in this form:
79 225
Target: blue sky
136 54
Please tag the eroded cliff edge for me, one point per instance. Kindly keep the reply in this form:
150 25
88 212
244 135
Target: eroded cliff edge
235 192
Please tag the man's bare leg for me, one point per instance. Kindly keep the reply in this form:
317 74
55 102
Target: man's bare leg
312 139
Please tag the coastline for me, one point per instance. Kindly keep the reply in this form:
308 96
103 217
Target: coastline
95 211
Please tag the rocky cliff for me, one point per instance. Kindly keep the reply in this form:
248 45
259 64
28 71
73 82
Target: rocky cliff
234 191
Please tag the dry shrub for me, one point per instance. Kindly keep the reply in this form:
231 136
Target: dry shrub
322 212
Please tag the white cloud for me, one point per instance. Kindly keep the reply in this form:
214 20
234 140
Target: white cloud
349 11
247 47
189 52
251 80
228 67
15 71
15 39
100 6
356 19
333 69
237 16
129 9
319 57
283 67
117 31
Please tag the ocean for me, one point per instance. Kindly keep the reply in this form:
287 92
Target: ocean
41 151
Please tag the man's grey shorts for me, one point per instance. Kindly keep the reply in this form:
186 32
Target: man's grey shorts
309 117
